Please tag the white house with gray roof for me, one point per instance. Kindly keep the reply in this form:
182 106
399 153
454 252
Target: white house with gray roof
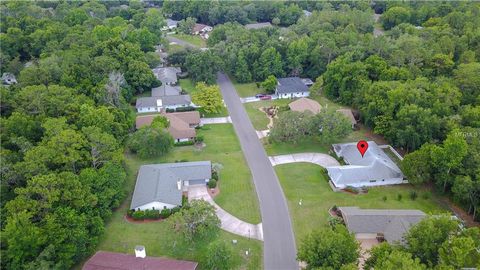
389 224
160 186
375 168
291 87
163 97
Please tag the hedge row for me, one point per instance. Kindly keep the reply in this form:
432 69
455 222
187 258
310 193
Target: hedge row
152 213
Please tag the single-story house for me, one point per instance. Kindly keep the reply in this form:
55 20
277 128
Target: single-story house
160 186
387 224
8 79
103 260
258 25
182 124
305 104
171 24
375 168
199 29
167 75
291 87
156 104
349 114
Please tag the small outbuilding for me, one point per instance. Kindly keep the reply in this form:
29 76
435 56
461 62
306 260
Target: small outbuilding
349 114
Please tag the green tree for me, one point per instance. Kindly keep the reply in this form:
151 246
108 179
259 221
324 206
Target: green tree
467 79
328 247
331 125
395 16
428 235
297 54
196 220
150 142
242 72
417 165
459 252
203 66
400 260
269 63
186 26
291 126
270 84
153 21
208 98
140 77
219 256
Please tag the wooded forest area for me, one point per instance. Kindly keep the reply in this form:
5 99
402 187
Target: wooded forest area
64 126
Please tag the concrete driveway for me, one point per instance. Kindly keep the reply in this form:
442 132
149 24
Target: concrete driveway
229 222
323 160
279 243
215 120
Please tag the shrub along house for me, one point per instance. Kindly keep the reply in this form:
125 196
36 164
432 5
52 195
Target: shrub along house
291 87
160 186
182 124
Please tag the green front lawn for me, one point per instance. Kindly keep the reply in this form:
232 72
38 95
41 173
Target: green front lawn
312 144
259 118
237 196
160 241
192 39
187 85
247 89
306 182
237 191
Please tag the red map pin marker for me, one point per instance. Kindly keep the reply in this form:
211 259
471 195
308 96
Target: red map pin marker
362 147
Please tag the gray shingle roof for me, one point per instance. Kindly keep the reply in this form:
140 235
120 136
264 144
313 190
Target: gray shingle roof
167 75
166 90
391 222
146 102
375 165
291 85
158 182
176 100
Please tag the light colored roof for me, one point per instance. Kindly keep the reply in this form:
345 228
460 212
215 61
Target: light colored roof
166 90
172 23
258 25
392 223
305 104
167 74
158 182
374 165
199 27
184 100
348 113
104 260
291 85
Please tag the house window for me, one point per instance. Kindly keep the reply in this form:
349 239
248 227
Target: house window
164 207
373 181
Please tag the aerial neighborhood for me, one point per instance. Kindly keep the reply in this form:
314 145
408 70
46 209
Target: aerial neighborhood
276 135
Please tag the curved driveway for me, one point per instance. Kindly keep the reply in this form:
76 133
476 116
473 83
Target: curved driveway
279 244
323 160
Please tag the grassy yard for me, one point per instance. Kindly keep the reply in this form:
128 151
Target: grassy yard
237 193
306 182
195 40
311 144
237 196
259 119
247 89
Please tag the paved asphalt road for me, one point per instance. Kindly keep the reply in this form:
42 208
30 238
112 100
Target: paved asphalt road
279 244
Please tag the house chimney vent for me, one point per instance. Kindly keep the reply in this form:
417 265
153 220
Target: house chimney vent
179 185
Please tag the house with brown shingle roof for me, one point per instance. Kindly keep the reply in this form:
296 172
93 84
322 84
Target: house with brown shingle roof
119 261
305 104
182 124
